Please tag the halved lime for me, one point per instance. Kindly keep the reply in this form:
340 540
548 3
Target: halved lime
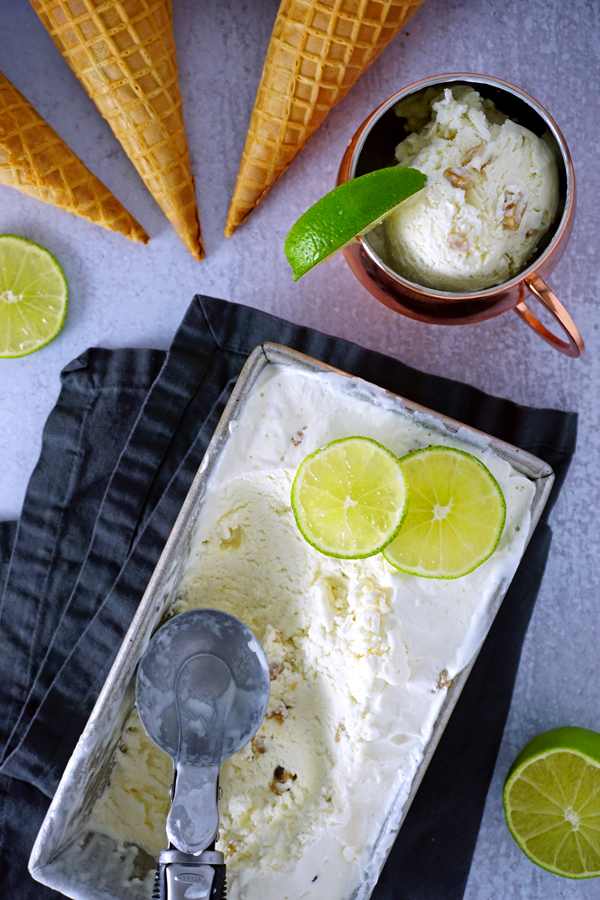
552 801
350 498
349 210
33 296
455 516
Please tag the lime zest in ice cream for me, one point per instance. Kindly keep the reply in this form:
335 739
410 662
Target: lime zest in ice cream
455 516
349 210
552 801
350 498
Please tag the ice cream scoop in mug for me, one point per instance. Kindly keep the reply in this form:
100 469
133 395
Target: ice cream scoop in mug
373 147
202 691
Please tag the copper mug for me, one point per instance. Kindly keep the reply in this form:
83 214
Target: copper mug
372 147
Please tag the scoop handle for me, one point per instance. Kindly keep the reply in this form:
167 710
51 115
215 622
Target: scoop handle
181 876
193 819
572 347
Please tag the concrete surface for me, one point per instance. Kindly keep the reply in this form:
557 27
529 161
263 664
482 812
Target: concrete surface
128 295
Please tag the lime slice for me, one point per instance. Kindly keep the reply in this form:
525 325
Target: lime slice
351 209
350 498
552 801
33 297
455 516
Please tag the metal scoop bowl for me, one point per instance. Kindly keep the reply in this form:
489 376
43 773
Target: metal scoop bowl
202 691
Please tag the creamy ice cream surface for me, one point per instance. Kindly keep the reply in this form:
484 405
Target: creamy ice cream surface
361 655
491 195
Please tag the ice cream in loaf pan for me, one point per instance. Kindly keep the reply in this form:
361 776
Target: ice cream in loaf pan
361 655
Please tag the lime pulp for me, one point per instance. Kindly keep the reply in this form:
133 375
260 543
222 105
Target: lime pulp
350 498
33 297
455 516
552 801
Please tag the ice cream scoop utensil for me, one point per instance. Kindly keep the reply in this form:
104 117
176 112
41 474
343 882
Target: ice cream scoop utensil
202 691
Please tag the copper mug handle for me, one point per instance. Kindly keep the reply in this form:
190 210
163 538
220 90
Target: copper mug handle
574 347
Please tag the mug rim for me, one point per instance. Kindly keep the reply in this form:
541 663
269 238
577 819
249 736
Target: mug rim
470 77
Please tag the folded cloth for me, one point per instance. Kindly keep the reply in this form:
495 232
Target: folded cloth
119 452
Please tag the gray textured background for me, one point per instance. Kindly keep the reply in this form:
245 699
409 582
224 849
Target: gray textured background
128 295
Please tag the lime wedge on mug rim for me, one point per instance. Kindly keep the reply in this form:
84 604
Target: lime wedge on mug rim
455 516
33 296
350 498
349 210
552 801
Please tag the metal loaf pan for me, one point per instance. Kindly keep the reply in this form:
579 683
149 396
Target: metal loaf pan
97 871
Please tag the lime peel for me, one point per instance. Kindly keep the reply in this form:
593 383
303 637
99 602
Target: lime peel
350 498
552 801
33 297
348 211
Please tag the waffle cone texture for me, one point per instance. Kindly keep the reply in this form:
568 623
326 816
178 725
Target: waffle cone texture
123 52
317 51
35 160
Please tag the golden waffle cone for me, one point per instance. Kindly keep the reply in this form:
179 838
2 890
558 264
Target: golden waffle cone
123 52
317 51
35 160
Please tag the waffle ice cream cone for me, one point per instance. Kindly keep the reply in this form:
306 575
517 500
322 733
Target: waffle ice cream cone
317 51
35 160
123 52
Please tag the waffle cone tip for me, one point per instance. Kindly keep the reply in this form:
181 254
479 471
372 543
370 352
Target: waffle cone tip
318 50
35 160
123 53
